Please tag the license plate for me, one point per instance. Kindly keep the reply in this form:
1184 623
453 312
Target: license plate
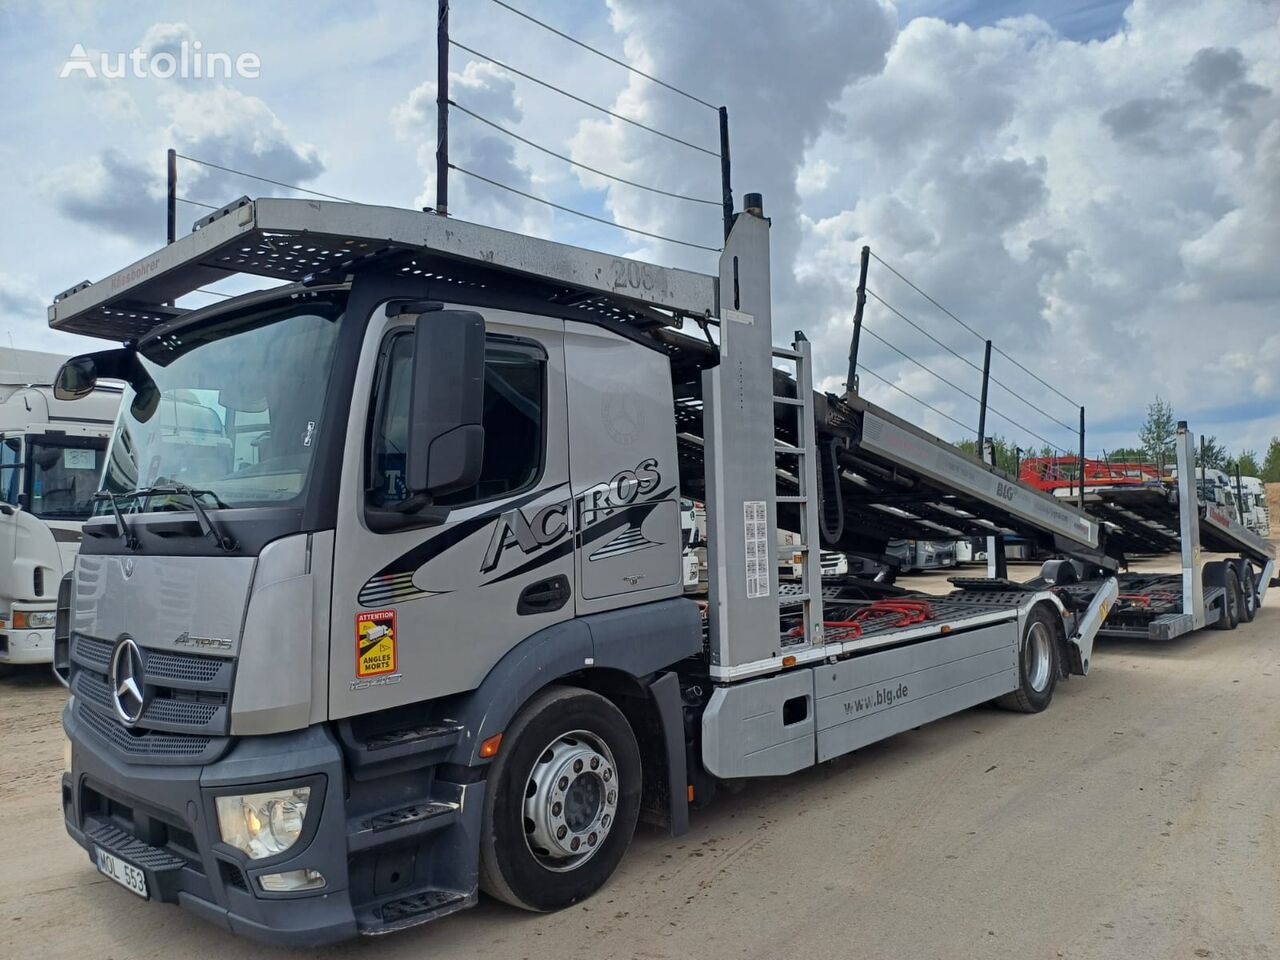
125 874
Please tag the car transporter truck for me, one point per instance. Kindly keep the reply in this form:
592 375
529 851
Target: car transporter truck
411 623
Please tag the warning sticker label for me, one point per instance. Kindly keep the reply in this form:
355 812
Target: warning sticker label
375 643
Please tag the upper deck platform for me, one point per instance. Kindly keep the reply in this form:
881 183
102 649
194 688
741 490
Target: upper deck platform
291 240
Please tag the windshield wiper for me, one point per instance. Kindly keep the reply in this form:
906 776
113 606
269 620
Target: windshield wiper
122 529
207 527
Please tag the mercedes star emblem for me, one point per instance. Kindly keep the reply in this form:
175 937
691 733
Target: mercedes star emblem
127 681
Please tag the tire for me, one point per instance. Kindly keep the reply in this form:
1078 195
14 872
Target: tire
1231 600
545 768
1039 664
1249 592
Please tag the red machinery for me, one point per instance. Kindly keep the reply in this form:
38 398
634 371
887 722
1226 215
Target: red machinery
1060 473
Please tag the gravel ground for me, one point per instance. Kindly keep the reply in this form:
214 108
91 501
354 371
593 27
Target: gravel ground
1137 818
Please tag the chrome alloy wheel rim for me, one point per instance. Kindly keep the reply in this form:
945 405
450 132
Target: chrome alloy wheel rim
570 801
1039 656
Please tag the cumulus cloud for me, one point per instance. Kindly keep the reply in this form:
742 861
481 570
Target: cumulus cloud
1106 211
779 81
122 190
489 91
112 191
232 129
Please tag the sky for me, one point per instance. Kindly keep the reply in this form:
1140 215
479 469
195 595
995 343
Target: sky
1093 185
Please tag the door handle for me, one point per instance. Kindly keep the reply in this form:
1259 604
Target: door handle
544 596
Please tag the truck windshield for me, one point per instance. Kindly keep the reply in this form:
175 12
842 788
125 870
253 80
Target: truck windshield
63 476
239 409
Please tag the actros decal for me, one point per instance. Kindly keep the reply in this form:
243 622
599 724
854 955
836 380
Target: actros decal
556 520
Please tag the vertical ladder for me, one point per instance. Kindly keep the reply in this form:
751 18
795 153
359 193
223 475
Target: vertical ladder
802 460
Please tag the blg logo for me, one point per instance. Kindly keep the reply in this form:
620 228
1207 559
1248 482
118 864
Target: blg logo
189 61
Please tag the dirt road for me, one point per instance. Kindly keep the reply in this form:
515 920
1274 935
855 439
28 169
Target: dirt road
1138 818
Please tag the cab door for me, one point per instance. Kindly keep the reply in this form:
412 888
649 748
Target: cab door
626 479
423 610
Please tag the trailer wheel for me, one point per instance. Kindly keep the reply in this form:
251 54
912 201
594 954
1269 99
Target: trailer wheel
1232 599
562 801
1249 593
1038 664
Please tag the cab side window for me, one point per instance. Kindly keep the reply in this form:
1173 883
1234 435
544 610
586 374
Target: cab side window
10 479
514 422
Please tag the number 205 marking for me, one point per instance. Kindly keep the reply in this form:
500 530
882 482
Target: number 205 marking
632 275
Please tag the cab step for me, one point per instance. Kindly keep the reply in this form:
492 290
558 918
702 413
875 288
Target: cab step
393 826
409 910
376 753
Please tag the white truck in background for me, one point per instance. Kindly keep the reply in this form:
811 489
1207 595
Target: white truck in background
1254 506
51 454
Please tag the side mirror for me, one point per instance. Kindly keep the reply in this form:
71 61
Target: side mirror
446 433
77 378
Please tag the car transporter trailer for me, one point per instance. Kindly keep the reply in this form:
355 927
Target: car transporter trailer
414 625
1226 568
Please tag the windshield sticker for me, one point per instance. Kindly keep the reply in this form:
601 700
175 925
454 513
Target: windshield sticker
75 459
375 643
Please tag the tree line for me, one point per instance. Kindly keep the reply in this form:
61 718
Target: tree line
1157 439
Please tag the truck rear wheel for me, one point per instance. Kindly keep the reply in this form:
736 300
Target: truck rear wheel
1038 664
1249 591
562 801
1231 601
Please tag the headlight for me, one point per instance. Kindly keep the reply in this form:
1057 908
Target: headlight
263 824
34 619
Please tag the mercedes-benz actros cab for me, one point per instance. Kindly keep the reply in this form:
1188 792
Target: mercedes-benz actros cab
51 455
382 604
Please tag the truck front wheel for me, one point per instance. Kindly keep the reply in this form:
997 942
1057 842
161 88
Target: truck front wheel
562 801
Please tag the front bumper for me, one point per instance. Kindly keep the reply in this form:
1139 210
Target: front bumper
161 819
26 646
397 844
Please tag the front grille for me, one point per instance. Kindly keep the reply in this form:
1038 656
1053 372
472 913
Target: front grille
232 875
149 745
192 668
186 714
93 653
174 711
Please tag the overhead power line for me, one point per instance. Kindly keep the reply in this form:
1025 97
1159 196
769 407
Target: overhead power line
1007 389
889 383
254 176
1024 369
196 203
907 356
585 103
580 213
575 163
955 386
601 53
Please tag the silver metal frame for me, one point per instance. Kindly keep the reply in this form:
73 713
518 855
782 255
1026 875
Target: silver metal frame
290 239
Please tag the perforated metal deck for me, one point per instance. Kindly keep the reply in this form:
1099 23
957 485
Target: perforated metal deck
290 240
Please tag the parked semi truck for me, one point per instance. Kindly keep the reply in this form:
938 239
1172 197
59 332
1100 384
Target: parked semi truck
51 453
405 619
1254 504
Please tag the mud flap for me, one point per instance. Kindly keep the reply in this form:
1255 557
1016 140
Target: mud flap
1089 623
